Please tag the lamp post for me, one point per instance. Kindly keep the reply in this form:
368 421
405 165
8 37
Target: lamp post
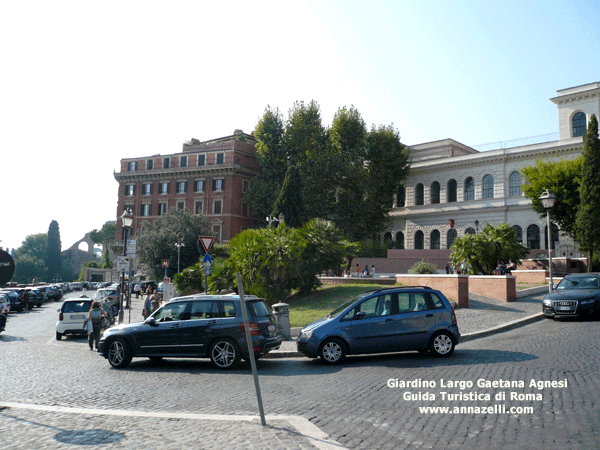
127 221
179 245
476 227
548 198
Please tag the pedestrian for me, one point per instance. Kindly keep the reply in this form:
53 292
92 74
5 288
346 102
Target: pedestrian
137 290
357 270
147 310
372 270
95 316
154 301
26 300
4 310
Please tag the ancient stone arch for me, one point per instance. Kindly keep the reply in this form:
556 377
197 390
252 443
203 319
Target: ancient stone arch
86 239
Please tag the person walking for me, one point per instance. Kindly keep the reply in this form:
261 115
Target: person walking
147 310
95 316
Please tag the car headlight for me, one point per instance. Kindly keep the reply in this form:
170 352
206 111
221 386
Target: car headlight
547 302
305 334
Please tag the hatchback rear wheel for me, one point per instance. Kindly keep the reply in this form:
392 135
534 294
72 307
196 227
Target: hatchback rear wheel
442 344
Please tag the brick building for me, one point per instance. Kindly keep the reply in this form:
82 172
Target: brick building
207 178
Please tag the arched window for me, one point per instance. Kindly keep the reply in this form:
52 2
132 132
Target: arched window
533 236
488 186
554 236
450 237
401 197
519 232
469 189
451 191
419 194
419 240
434 240
435 192
470 230
387 238
514 184
579 126
400 240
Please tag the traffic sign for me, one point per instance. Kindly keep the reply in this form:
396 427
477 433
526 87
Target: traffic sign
123 263
207 264
165 263
207 242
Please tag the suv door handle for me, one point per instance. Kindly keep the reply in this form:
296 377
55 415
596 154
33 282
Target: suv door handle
389 320
429 315
175 325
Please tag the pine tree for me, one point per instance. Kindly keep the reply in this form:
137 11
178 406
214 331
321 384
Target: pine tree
587 230
289 203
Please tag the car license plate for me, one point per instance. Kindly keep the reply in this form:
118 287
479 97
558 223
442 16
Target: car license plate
78 316
564 308
271 328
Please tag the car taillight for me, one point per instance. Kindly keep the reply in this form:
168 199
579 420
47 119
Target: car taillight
254 328
60 316
454 317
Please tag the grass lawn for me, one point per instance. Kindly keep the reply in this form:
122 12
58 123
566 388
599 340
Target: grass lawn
319 303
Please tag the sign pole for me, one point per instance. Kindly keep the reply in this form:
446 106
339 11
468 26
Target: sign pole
250 348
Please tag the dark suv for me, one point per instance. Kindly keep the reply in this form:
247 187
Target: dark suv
198 326
576 294
384 320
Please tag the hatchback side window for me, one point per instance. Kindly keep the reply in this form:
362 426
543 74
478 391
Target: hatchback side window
172 311
412 301
437 301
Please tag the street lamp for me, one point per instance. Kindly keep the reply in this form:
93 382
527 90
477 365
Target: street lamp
476 226
179 245
548 198
127 221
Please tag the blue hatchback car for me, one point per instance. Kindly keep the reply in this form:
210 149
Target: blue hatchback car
381 321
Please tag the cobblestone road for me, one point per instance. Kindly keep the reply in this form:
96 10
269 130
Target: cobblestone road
352 403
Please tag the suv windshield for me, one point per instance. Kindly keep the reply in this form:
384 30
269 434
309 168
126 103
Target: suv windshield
578 283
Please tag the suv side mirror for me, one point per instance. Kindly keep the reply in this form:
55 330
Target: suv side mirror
360 315
150 321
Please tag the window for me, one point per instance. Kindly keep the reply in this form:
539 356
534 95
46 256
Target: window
419 194
519 232
411 301
419 238
149 164
451 191
199 186
435 192
147 188
220 158
469 230
162 209
199 207
450 237
437 302
218 184
201 160
514 184
579 126
401 197
216 229
129 190
400 240
488 186
132 166
469 189
434 240
533 236
146 209
164 187
180 205
217 206
183 161
166 163
181 187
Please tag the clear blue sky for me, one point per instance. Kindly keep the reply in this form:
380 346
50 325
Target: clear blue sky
86 84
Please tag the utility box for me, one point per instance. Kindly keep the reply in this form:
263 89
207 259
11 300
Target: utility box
281 311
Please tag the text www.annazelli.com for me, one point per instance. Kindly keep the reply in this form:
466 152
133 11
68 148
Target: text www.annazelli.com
495 409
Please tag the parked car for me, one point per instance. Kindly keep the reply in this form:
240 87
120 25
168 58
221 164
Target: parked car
15 300
72 316
384 320
577 294
200 326
54 294
36 298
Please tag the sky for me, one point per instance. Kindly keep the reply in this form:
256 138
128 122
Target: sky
85 84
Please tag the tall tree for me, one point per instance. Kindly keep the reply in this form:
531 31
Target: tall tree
563 179
588 232
290 203
53 258
158 242
30 259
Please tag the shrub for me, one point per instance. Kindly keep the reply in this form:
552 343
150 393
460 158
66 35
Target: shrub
424 267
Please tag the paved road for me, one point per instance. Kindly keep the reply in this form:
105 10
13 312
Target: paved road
350 404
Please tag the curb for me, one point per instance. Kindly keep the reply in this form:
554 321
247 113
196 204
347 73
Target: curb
464 338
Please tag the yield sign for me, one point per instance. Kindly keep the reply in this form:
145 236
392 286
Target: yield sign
207 242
